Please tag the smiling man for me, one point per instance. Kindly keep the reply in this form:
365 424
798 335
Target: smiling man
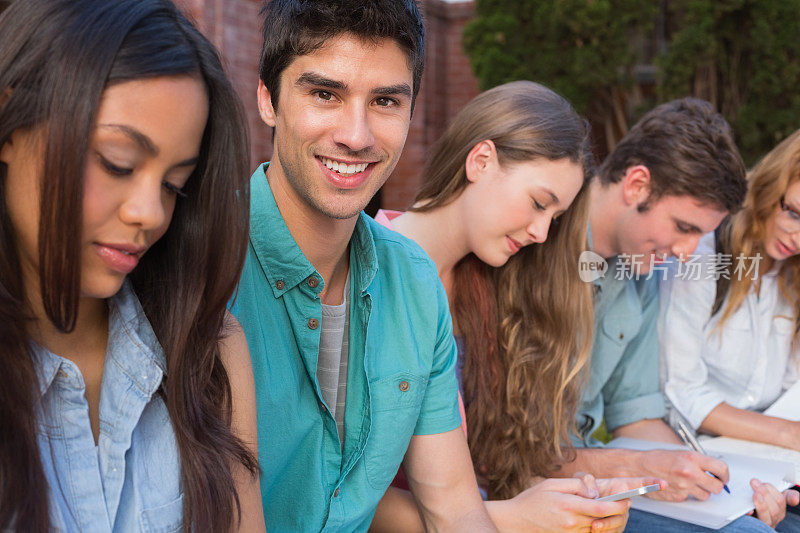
347 322
670 180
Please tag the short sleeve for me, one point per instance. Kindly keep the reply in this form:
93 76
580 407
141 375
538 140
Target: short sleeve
440 412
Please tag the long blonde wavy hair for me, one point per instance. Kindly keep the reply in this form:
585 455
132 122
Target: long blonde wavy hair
527 325
745 233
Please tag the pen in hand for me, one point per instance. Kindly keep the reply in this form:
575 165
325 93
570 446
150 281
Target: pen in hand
692 443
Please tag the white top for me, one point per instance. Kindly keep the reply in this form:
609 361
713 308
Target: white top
748 364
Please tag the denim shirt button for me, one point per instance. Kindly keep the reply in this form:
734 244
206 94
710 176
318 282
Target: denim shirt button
404 386
313 282
313 323
336 493
280 284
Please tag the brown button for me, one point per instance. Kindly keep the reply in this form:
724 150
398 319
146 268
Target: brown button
621 336
336 493
404 386
313 282
313 323
280 284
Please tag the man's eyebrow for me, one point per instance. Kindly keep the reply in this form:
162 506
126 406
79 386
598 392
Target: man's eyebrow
139 138
401 89
318 80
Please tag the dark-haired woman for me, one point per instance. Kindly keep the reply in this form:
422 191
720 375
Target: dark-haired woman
127 401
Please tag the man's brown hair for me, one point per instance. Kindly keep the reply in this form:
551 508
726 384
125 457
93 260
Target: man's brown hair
689 150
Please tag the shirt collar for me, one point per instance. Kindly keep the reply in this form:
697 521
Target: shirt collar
363 256
281 259
127 324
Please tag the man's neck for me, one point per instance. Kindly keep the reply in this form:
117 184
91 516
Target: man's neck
603 214
323 240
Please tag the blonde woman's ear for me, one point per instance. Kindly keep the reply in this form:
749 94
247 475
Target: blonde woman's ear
480 159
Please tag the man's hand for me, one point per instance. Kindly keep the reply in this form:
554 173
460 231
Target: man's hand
685 472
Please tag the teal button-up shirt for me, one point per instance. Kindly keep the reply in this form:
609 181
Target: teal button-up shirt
401 380
624 385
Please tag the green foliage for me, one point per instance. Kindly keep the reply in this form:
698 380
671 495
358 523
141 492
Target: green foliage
743 56
579 48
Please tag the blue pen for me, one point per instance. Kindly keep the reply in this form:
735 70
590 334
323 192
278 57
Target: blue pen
690 441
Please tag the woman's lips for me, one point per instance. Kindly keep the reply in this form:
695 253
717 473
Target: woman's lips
785 250
122 258
513 245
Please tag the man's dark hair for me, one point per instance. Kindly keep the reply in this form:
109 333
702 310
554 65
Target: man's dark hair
689 150
297 27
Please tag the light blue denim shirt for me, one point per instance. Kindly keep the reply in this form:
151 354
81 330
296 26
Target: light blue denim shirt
130 481
624 385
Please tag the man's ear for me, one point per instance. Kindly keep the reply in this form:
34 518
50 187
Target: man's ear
480 160
265 109
636 185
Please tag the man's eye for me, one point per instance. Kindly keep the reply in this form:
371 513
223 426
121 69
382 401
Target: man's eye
386 102
324 95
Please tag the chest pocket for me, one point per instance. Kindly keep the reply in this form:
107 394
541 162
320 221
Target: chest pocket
163 519
619 331
396 402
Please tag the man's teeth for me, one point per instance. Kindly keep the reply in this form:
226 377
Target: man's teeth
343 168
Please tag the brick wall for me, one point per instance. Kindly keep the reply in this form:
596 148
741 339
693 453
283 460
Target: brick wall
234 27
447 85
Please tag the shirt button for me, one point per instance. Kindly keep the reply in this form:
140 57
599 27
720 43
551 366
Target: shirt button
280 284
313 323
621 336
336 493
404 386
313 282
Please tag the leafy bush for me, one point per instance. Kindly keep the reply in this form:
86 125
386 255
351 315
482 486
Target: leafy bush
579 48
742 55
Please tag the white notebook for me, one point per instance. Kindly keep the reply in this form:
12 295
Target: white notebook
788 407
723 508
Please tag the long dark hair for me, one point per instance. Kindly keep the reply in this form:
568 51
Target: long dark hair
56 58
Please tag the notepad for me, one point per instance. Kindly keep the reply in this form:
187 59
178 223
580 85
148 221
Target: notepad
719 509
788 407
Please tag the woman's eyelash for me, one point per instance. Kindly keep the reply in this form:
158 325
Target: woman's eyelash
174 189
111 168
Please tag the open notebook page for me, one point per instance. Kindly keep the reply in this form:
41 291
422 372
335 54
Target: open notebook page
719 509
